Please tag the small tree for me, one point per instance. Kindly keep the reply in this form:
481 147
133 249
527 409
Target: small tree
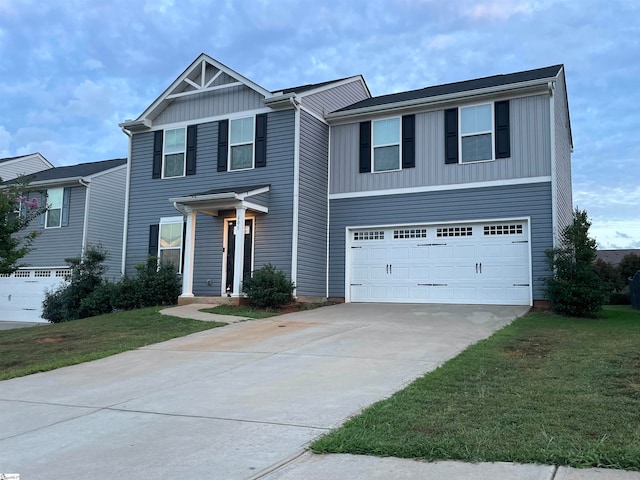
269 287
64 303
575 288
17 211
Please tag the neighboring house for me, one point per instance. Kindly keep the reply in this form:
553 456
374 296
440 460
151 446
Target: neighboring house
12 167
86 207
448 194
614 257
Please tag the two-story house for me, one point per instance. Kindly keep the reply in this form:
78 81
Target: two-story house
449 194
12 167
85 207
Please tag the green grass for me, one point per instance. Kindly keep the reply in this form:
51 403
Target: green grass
240 311
46 347
546 389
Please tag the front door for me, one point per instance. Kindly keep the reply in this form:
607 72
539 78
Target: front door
231 251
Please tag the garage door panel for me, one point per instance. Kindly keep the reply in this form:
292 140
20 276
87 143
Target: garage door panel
465 264
22 293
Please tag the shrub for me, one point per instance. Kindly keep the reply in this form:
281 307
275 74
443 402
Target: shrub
575 288
151 286
86 274
100 301
268 288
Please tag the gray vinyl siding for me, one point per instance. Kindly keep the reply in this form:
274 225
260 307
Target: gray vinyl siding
530 153
212 104
11 169
564 196
335 98
531 200
312 216
149 200
53 245
106 216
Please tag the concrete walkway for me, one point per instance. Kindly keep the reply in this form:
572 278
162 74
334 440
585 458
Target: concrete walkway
243 401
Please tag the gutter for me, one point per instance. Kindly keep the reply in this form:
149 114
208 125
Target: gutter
435 100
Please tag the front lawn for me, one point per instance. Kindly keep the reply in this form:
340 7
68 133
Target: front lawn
46 347
240 311
546 389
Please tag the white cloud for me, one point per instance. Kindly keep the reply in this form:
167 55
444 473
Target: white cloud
93 64
5 141
497 9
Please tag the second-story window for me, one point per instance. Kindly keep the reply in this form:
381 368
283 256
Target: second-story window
54 202
174 153
241 143
476 133
386 144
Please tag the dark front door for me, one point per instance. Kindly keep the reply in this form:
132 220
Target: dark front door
231 251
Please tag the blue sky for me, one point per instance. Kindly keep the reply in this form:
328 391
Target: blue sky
71 70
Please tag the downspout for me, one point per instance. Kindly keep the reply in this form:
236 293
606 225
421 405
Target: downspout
125 230
175 205
85 226
554 166
296 195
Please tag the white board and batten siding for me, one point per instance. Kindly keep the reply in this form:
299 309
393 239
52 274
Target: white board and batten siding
455 263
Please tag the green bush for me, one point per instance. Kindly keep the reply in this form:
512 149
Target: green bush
575 288
268 288
87 295
86 274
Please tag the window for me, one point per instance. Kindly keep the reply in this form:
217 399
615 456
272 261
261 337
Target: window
369 235
386 144
454 232
241 144
476 133
510 229
410 233
170 241
54 202
174 153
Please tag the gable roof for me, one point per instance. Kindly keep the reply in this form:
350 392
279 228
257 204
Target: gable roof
71 172
205 74
23 157
539 75
314 86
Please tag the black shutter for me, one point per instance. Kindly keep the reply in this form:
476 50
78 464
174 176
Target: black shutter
223 144
503 141
184 235
261 140
192 138
365 147
154 231
408 141
157 154
451 135
64 214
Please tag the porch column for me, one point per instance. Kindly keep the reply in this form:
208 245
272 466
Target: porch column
238 261
189 244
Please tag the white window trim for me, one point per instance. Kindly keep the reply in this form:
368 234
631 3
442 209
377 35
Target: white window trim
46 217
492 132
399 143
184 152
253 145
171 221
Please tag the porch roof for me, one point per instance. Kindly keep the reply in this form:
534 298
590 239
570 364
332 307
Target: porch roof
212 201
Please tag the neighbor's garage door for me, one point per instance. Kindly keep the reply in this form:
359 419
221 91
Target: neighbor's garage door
22 293
467 263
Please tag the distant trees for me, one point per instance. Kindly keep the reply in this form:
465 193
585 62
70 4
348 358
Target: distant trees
617 276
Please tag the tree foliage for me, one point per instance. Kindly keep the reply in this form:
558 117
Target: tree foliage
575 288
269 287
17 211
628 267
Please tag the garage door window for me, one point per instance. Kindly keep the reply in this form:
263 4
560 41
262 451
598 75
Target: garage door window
512 229
454 232
369 235
410 233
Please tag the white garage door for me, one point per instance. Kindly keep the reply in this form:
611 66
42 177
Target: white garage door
22 293
467 263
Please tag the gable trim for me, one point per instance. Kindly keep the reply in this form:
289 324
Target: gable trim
440 188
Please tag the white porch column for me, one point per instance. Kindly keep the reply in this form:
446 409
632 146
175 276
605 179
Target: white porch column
189 244
238 261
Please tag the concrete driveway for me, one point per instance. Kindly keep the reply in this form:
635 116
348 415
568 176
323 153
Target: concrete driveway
235 402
